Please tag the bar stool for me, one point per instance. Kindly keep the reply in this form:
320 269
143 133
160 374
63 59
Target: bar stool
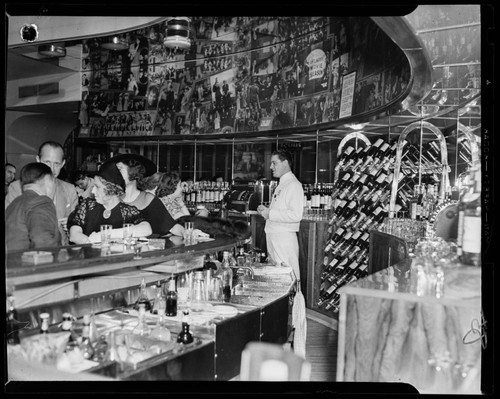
261 361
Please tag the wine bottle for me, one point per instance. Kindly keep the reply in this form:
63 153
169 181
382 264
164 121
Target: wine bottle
337 245
335 237
355 159
345 156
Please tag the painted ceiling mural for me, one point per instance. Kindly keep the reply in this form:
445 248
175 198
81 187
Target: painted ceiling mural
240 75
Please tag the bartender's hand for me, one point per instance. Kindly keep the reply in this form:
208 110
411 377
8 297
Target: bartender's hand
264 211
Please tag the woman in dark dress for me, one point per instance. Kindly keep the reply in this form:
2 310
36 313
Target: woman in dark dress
134 169
106 208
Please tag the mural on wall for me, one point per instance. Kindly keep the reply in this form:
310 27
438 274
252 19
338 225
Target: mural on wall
248 161
239 75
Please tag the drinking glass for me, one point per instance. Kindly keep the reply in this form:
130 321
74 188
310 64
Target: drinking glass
127 233
106 234
183 291
188 233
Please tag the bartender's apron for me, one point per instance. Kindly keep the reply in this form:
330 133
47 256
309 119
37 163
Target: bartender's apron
283 248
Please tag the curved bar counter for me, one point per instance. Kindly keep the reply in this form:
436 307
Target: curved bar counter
81 274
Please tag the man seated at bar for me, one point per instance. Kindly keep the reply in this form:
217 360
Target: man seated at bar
134 168
84 184
30 219
65 199
106 208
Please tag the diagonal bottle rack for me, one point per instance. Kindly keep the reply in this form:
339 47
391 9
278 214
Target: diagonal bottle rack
350 136
443 168
332 303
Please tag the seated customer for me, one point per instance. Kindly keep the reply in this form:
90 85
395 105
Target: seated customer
106 208
169 191
31 219
134 169
84 184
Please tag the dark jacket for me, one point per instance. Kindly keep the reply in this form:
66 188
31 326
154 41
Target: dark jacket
31 222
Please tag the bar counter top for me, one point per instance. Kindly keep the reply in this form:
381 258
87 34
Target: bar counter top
81 260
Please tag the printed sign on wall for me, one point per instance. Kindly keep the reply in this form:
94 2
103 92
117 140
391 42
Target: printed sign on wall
348 82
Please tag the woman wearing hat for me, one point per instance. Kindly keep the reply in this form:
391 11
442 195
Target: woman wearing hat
134 168
106 208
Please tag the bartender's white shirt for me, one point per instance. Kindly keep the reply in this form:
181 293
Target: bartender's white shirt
287 206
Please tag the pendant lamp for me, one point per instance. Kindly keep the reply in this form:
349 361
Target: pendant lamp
177 33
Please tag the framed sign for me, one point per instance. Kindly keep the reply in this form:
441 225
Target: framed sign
347 95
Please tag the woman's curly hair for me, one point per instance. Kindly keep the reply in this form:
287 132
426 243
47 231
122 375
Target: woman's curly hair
112 189
168 184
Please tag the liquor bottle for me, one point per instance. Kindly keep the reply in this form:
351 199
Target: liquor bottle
470 215
12 331
227 277
160 332
143 298
86 346
353 158
67 325
44 325
240 258
185 337
142 327
171 299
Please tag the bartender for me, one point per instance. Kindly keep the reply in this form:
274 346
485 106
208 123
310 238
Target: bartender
284 214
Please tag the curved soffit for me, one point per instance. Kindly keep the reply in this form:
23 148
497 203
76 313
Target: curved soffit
401 32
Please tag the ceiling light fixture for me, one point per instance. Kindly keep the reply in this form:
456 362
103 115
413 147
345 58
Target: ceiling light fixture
177 33
52 50
116 43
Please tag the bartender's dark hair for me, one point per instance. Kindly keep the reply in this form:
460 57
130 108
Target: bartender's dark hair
33 172
283 155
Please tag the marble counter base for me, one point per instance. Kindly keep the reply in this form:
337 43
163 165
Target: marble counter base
434 347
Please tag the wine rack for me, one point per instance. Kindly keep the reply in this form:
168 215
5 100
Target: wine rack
429 166
360 202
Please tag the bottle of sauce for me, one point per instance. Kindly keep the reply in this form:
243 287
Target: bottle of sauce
185 336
